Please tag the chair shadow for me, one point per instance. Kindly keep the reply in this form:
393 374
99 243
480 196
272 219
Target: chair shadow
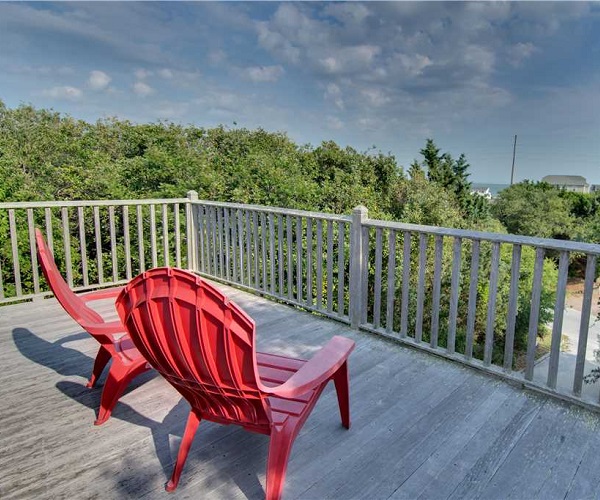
67 361
54 355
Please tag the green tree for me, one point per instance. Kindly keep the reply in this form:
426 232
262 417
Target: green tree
534 209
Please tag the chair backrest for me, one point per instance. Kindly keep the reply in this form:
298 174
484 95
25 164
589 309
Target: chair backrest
202 343
75 307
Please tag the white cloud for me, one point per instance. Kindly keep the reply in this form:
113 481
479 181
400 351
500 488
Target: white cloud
25 69
142 89
263 73
217 56
63 93
375 97
334 123
413 64
521 51
142 74
334 93
98 80
166 73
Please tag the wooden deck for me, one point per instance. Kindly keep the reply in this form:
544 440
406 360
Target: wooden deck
422 427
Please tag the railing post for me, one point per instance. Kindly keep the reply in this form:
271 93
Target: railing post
359 216
192 231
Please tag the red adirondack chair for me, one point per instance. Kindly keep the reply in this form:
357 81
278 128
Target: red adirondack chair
204 346
115 344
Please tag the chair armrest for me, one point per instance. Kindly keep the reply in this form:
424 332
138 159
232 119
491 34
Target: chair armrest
107 293
108 329
320 368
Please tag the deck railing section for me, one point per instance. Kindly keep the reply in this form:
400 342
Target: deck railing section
474 297
427 287
298 257
95 243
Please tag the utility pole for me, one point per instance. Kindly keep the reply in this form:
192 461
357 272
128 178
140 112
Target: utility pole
512 172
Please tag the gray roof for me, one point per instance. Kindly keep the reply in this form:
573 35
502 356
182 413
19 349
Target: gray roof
565 180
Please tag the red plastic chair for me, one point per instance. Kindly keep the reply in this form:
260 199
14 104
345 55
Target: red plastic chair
115 344
204 346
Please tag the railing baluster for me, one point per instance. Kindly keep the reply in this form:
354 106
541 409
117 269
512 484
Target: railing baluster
406 238
208 239
15 252
214 248
256 254
33 253
534 313
127 242
178 234
272 252
421 286
67 245
202 239
319 259
165 235
472 304
220 231
491 306
329 266
290 257
309 261
584 326
83 246
248 250
513 302
280 260
1 282
341 268
153 248
226 230
437 279
240 224
113 243
98 237
299 259
234 240
49 232
140 237
454 293
378 271
263 249
391 282
365 275
559 308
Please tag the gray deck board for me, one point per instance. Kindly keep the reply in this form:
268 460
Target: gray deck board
422 427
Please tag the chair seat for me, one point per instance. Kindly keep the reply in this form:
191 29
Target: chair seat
275 370
127 351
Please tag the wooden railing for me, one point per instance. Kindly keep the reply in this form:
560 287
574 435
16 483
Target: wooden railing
95 243
298 257
474 297
444 265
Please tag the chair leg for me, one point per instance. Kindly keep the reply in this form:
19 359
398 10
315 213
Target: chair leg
341 379
119 377
184 448
102 358
280 447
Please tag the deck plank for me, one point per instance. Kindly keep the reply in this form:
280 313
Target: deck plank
422 427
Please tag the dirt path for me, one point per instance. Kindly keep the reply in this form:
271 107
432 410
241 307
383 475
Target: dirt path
575 295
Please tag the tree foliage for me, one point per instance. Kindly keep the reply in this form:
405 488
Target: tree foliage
45 156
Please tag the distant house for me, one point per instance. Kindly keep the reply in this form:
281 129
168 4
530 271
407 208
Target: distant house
483 192
575 183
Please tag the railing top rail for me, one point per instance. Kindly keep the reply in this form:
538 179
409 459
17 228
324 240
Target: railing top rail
88 203
276 210
561 245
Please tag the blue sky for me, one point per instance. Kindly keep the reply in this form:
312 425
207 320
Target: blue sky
390 75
